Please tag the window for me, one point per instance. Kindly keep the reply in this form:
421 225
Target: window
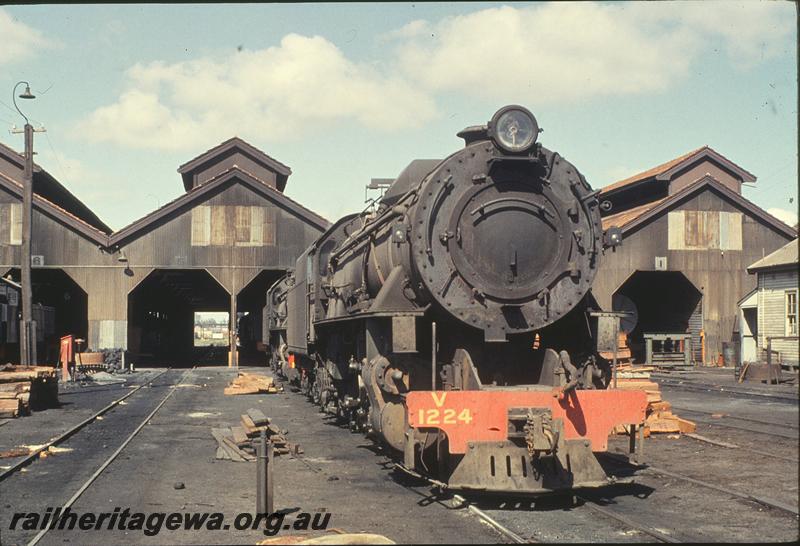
222 225
15 223
704 230
791 312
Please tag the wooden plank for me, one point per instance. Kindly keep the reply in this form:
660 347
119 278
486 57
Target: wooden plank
15 377
248 424
636 384
201 225
220 436
244 455
686 426
663 425
239 436
653 397
235 389
242 218
17 386
660 406
9 408
258 417
256 225
219 226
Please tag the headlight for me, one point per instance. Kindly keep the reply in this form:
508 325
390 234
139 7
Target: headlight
514 129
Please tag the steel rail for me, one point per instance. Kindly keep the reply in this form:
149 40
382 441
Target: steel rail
717 423
696 387
728 416
760 500
483 516
112 457
35 453
461 501
592 505
713 442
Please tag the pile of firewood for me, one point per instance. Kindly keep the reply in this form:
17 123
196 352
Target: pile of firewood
659 416
20 385
251 383
238 443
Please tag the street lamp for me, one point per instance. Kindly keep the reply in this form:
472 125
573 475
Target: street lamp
27 332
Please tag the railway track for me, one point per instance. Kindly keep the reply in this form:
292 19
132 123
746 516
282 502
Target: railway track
626 509
764 501
628 522
790 435
747 419
459 501
34 455
695 387
98 471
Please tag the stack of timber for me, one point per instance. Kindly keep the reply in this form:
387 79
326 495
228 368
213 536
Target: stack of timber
19 385
623 351
238 443
658 417
252 383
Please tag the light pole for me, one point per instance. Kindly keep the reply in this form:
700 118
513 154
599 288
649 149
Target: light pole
27 331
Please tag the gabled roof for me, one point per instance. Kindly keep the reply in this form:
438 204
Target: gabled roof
632 218
233 174
51 189
58 213
785 256
667 170
187 169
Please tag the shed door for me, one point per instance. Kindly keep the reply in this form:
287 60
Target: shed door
695 326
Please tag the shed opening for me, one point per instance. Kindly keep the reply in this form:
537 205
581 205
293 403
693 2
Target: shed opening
162 313
666 302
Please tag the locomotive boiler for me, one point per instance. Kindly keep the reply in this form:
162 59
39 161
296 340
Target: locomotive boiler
451 320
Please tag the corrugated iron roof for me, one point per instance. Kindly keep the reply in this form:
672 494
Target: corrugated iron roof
786 255
45 180
622 218
650 173
142 223
283 171
662 172
631 218
81 225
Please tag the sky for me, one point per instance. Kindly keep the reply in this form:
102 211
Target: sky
343 93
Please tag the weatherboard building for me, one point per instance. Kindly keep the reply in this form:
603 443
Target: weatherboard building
689 236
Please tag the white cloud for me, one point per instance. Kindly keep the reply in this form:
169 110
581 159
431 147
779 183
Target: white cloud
751 30
786 216
566 51
284 92
19 41
547 52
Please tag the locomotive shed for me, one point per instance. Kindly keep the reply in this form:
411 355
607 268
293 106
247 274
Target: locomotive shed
348 476
425 292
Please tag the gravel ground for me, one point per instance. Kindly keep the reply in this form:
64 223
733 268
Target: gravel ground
339 473
347 476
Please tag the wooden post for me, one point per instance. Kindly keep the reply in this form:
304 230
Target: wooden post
27 339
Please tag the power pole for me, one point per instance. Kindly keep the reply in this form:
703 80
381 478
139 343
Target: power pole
27 331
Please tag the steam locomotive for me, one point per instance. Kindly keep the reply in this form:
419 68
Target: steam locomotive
451 321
